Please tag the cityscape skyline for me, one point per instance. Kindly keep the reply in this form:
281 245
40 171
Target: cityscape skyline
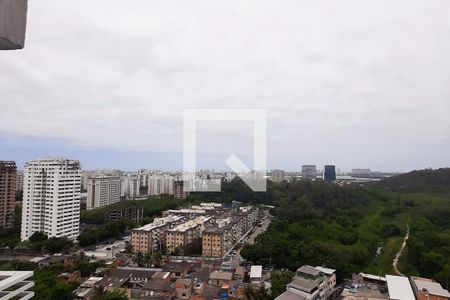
172 162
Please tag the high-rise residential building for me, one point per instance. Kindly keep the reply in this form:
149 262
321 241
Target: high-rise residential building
8 180
102 190
277 175
309 172
178 190
329 173
19 181
84 178
51 198
161 185
143 176
129 186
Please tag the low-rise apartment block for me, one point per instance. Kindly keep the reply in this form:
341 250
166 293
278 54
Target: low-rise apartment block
249 217
132 214
153 236
183 238
216 242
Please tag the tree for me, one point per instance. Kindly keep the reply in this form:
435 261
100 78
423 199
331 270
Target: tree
444 276
38 237
55 244
147 259
157 258
138 258
260 293
279 282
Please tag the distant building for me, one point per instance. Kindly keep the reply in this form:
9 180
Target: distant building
129 186
143 176
84 178
329 173
102 190
19 181
361 171
178 189
8 181
51 198
133 214
309 172
310 283
161 185
189 213
277 175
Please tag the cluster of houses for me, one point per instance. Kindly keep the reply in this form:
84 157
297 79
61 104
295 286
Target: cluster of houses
367 286
207 279
177 280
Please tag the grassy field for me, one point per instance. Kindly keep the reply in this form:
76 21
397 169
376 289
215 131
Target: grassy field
415 207
384 212
382 264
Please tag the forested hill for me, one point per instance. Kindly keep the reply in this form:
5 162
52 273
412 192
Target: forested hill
355 229
421 181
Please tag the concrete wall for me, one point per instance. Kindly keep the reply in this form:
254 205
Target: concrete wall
13 20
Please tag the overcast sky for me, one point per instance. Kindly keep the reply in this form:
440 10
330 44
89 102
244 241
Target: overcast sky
352 83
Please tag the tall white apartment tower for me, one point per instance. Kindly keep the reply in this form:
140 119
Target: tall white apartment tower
160 184
102 190
129 186
51 198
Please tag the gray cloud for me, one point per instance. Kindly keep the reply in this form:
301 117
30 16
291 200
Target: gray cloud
358 83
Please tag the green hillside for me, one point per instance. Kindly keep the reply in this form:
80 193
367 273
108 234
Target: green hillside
420 181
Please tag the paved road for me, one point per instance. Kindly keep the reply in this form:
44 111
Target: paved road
258 231
252 237
399 253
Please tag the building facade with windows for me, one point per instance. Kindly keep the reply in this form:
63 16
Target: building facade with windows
309 172
51 198
8 181
161 185
216 242
329 173
102 190
129 187
152 236
277 175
